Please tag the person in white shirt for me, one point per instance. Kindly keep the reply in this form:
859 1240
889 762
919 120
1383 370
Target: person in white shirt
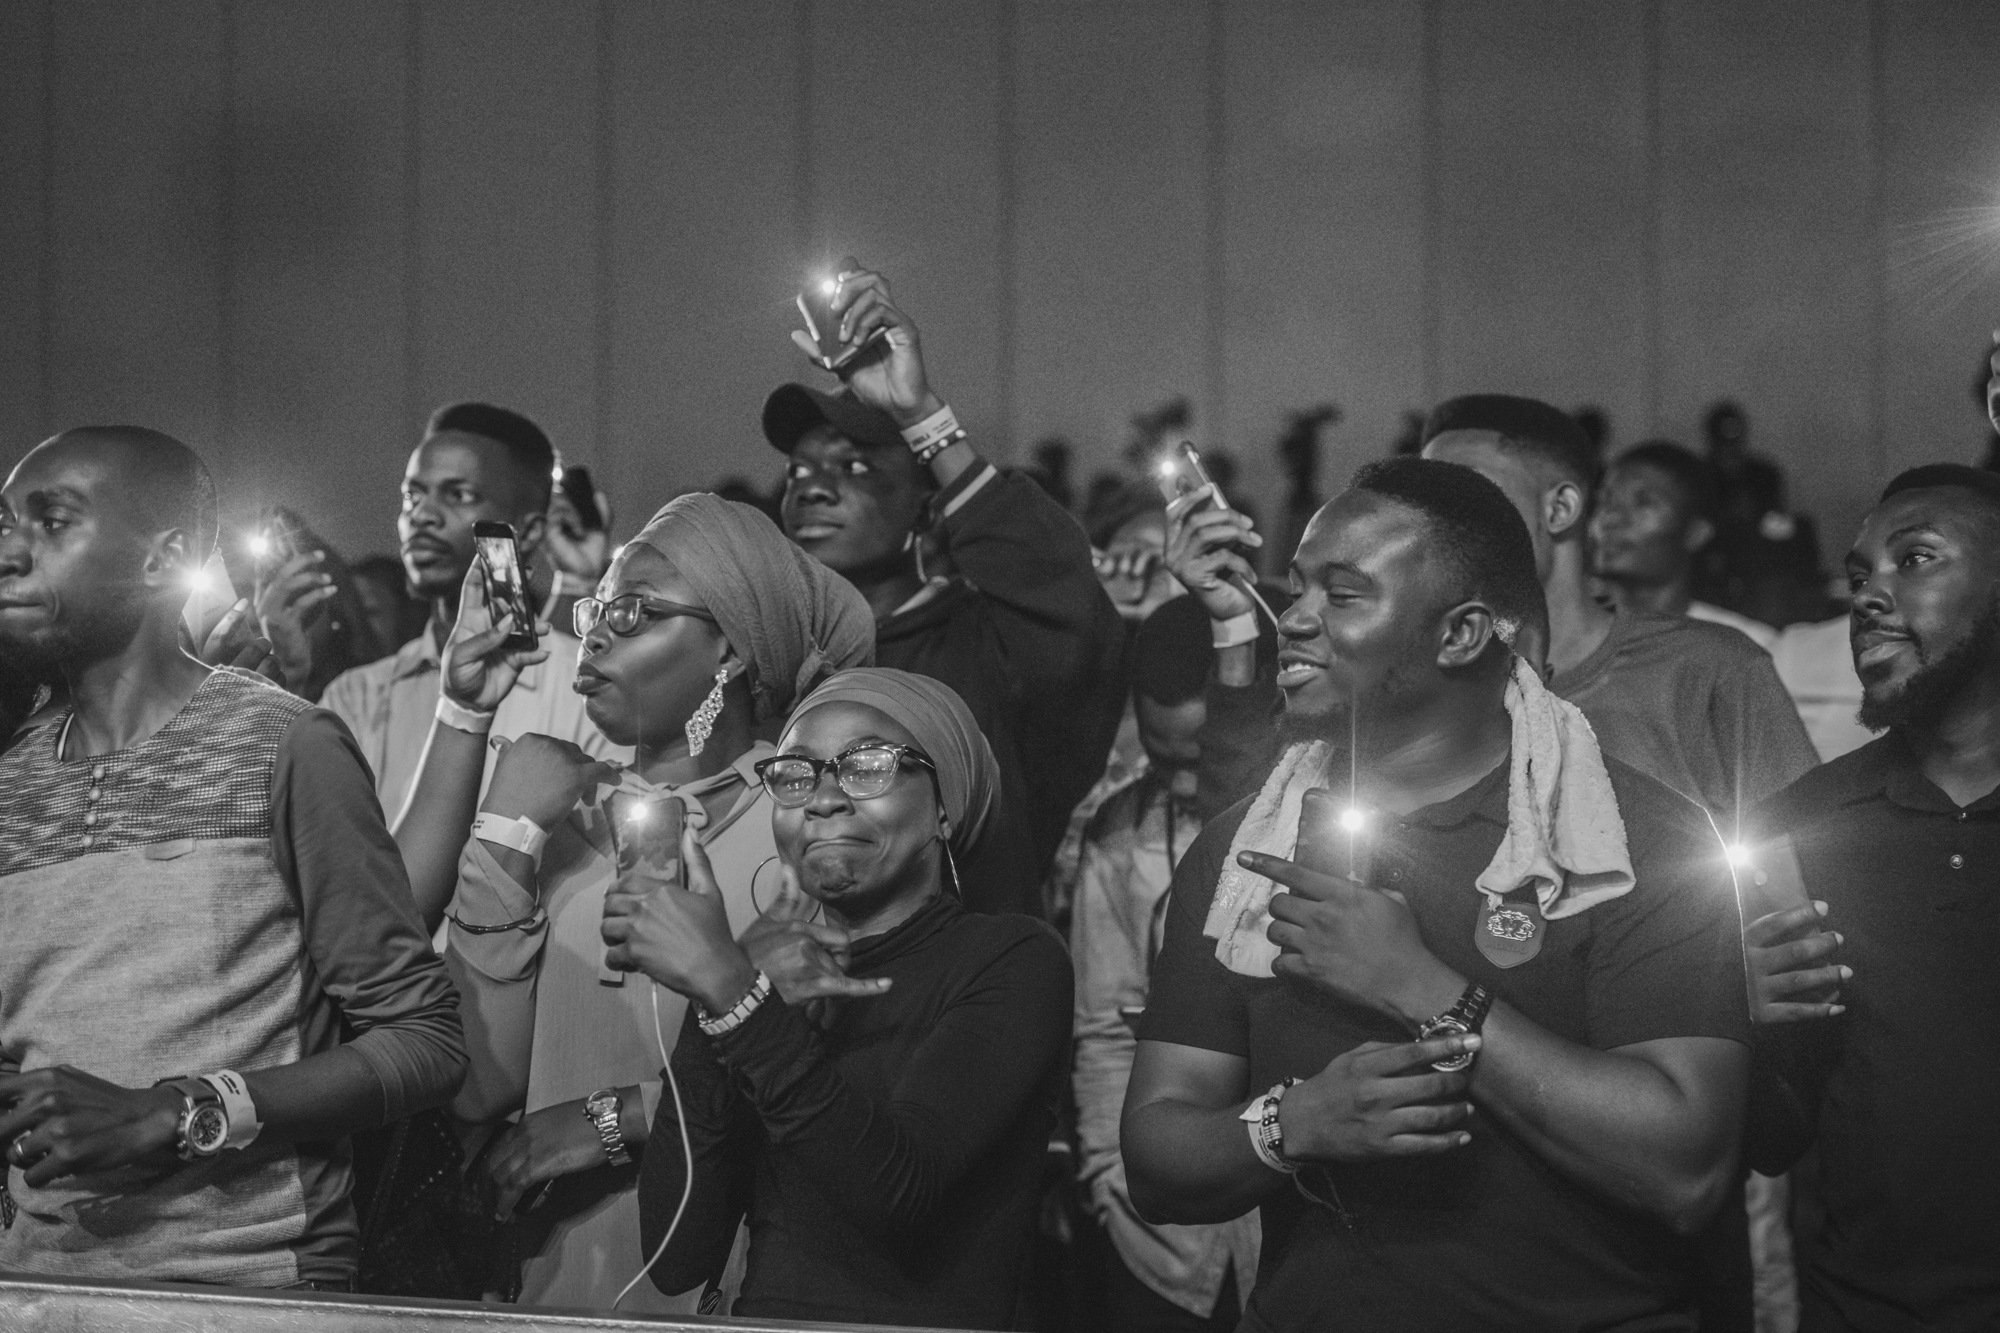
477 463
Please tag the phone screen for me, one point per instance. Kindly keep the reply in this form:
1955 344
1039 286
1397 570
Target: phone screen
822 324
646 833
1181 473
1770 880
506 589
210 596
1330 841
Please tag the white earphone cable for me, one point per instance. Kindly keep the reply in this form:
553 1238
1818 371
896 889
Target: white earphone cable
687 1149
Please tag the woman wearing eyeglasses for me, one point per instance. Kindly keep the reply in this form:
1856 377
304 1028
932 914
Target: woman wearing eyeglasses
709 625
874 1088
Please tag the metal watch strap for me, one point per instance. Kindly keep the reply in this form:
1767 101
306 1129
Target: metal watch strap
606 1110
1465 1016
714 1025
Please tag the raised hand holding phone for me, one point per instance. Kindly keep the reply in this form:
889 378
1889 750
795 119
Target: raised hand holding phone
480 663
881 358
1788 955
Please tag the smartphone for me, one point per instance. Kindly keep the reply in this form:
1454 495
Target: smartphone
506 586
582 493
210 595
646 834
1331 840
822 322
1181 473
1769 880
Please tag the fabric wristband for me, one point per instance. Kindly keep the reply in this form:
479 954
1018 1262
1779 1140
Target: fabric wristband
759 991
460 718
1235 631
237 1104
522 834
934 428
1266 1139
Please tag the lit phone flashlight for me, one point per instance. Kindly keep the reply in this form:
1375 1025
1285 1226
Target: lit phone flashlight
210 594
1334 836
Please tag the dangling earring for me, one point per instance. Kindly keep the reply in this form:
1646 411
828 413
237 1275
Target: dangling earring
702 725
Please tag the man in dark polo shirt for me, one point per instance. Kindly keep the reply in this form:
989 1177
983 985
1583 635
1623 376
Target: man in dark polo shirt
1557 1181
1879 1007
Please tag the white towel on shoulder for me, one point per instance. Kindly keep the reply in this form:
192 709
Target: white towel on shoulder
1564 838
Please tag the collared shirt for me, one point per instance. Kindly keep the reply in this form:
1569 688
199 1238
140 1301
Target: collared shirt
1903 1087
389 704
548 1023
1126 863
1488 1236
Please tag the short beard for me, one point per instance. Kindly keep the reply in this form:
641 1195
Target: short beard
1924 699
78 638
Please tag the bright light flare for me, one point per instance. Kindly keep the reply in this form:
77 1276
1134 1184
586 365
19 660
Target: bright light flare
1353 820
1738 854
640 814
1168 467
260 545
201 582
829 287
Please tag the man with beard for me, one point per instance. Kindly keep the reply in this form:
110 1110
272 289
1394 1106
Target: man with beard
211 971
1555 929
1876 1002
476 463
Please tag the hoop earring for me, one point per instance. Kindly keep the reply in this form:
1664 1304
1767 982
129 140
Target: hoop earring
951 864
702 725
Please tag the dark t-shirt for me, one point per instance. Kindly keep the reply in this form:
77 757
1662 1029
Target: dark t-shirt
1696 705
1491 1236
1904 1088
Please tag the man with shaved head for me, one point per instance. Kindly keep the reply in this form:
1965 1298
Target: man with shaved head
1879 999
211 970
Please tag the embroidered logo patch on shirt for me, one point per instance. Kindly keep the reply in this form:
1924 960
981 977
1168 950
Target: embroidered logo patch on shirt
1509 933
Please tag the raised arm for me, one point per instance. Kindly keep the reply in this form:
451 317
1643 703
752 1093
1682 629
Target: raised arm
475 673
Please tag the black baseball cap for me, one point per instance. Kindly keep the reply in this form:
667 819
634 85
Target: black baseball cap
794 409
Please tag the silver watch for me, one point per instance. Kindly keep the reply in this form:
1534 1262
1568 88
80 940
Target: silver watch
203 1126
606 1110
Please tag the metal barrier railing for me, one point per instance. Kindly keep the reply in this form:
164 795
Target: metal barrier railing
30 1304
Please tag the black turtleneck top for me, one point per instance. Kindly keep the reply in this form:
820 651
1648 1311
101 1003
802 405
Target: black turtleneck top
888 1151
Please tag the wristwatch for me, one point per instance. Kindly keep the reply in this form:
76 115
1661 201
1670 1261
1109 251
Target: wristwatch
203 1126
605 1109
1467 1016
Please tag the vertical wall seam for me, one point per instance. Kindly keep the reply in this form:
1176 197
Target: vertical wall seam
1005 259
413 260
802 133
226 246
1215 237
1878 351
1651 287
1430 133
603 225
45 248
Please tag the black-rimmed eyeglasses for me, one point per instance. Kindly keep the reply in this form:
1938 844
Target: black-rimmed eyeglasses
628 614
863 772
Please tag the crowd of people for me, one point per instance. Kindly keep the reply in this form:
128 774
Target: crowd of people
1515 893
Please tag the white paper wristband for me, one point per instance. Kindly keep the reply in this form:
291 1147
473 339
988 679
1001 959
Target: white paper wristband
524 835
460 718
1234 631
237 1104
933 428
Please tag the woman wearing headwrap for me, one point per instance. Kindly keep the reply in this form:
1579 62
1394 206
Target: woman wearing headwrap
871 1074
709 625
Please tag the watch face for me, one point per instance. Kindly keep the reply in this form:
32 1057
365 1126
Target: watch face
206 1130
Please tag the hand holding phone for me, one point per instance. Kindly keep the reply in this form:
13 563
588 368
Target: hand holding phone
1790 970
506 586
818 304
1333 837
646 837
